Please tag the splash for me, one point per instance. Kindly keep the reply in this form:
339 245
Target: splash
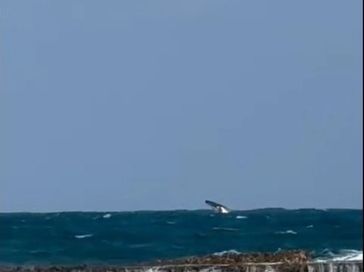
108 215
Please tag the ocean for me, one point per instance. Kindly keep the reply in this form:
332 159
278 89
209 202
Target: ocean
128 238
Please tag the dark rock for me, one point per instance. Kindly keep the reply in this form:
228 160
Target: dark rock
232 258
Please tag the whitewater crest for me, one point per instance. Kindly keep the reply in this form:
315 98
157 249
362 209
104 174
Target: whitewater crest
286 232
342 256
83 236
108 215
350 257
224 252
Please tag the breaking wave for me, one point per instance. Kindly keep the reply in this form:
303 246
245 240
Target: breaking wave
342 255
83 236
286 232
224 252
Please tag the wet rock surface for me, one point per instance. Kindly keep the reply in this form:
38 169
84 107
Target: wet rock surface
233 258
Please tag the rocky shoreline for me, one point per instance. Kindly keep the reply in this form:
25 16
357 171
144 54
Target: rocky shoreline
233 258
290 261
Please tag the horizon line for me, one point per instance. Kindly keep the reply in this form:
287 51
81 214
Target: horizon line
171 210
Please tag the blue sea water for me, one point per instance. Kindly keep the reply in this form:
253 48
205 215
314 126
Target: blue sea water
133 237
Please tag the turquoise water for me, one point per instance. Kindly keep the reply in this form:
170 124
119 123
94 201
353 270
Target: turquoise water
132 237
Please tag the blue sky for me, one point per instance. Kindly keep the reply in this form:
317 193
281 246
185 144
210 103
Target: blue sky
128 105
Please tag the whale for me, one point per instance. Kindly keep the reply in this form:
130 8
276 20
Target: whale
219 208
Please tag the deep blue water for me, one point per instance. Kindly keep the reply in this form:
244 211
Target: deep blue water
131 237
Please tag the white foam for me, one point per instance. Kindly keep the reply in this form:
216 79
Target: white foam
309 226
349 255
241 217
82 236
108 215
153 269
230 251
343 255
286 232
223 210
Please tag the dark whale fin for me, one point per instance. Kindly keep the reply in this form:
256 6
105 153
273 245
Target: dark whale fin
217 207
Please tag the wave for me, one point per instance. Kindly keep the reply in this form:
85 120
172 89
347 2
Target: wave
286 232
354 257
241 217
82 236
342 255
349 255
112 240
225 229
224 252
37 251
140 245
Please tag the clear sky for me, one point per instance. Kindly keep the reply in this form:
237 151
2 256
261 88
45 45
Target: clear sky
128 105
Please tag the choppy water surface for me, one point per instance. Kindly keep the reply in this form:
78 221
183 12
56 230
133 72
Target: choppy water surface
132 237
